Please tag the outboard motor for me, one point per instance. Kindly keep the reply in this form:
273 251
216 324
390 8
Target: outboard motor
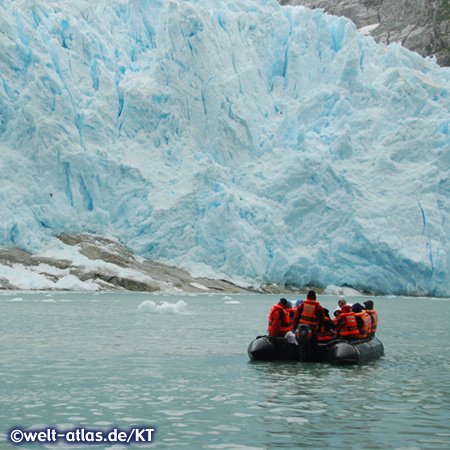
303 333
305 342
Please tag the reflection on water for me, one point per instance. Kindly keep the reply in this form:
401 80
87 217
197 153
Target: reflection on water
73 360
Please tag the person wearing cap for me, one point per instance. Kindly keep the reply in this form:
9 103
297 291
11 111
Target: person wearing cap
346 326
368 307
336 314
363 320
311 313
279 319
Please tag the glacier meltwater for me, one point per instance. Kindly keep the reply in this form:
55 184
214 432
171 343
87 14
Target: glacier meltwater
237 139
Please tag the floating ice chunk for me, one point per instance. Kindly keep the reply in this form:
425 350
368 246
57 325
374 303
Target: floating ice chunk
342 291
150 307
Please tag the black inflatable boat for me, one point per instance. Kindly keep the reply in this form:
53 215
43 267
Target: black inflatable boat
338 352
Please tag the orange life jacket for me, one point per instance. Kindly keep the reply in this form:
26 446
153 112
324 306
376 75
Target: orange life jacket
323 334
309 313
274 317
349 327
373 314
367 324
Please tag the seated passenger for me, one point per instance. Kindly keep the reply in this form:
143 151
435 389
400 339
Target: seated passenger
368 306
279 320
326 334
341 302
363 320
337 313
291 310
346 326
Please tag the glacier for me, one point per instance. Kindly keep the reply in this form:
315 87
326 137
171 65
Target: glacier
236 139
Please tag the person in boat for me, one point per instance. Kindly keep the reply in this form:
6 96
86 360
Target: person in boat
341 302
336 314
368 307
363 320
291 310
346 326
326 333
311 313
279 319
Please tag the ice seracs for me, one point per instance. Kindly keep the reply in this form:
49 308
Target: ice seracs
244 140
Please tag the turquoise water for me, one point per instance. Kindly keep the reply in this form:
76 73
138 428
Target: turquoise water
97 361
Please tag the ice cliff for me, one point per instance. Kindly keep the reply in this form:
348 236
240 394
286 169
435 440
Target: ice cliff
235 139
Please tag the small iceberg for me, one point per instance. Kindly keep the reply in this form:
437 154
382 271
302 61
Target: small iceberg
150 307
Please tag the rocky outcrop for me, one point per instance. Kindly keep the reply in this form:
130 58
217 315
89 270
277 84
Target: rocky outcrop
99 263
422 26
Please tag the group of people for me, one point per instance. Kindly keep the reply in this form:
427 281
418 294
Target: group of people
350 321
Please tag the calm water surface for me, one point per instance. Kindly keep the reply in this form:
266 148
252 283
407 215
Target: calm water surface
96 361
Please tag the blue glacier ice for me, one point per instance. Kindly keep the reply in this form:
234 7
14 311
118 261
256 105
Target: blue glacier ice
236 139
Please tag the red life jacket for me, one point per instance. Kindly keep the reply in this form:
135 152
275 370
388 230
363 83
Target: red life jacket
324 335
349 328
274 317
373 314
367 324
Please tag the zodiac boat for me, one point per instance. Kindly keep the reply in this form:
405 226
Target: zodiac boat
338 351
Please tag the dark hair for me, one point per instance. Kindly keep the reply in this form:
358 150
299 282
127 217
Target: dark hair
311 295
368 304
283 302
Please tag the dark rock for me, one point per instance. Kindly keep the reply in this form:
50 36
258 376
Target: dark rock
422 26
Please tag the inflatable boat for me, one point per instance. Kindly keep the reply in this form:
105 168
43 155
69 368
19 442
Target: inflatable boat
337 351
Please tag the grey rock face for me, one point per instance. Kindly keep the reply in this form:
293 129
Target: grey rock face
113 267
422 26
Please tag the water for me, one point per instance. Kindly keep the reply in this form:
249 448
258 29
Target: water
95 361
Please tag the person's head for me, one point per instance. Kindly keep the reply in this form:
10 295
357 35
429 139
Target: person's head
337 312
298 302
326 312
357 308
284 303
368 304
311 295
342 302
346 309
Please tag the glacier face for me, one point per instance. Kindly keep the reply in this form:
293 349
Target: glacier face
237 139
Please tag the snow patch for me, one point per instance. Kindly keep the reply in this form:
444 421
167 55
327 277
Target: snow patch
368 29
